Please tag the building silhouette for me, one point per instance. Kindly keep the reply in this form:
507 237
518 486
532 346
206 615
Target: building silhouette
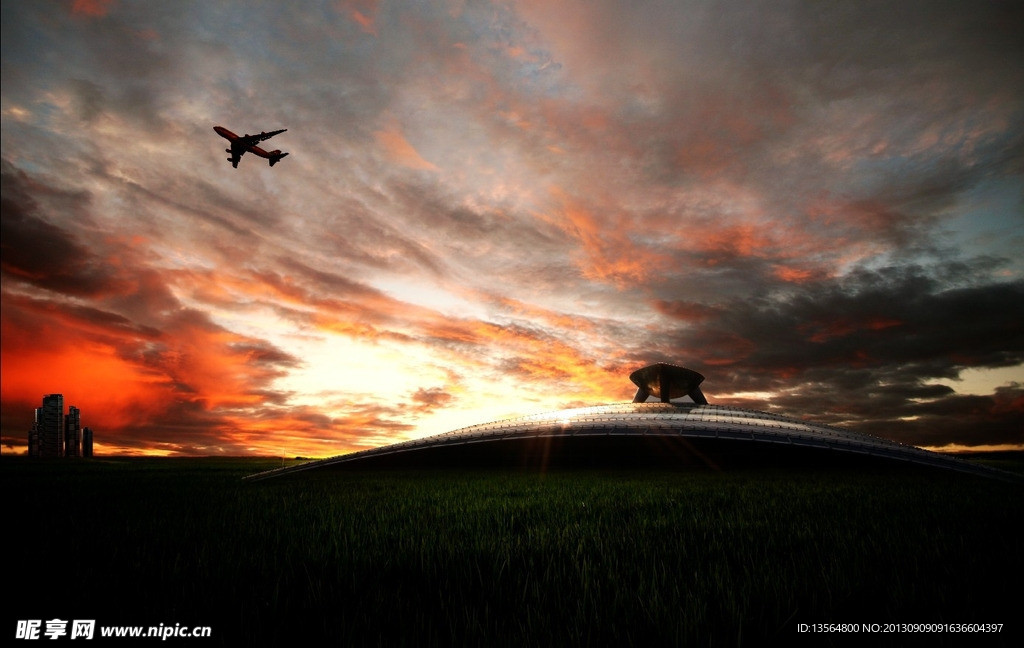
56 434
86 442
50 426
33 439
73 432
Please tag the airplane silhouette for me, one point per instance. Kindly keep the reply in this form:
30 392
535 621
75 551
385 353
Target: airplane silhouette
240 145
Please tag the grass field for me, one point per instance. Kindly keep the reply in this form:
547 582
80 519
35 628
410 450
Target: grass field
510 558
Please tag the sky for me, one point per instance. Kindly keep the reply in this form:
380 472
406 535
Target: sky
500 208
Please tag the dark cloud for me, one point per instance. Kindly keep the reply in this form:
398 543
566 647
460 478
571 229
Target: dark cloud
89 99
956 419
38 252
863 348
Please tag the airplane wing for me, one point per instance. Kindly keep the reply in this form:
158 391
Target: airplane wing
251 140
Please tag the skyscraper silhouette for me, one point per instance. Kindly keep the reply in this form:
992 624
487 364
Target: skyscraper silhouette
73 432
50 425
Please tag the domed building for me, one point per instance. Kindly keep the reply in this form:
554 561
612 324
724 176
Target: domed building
669 424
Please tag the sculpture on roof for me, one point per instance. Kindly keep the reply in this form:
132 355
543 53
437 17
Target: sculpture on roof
666 381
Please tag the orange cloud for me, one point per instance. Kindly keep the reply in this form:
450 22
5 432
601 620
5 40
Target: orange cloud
735 240
550 317
113 393
401 151
177 382
91 8
608 254
362 12
794 275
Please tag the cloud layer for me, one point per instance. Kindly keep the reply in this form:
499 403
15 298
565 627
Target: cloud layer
497 208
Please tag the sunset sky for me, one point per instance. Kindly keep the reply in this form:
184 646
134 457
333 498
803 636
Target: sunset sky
495 208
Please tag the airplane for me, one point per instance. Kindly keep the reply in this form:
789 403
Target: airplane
240 145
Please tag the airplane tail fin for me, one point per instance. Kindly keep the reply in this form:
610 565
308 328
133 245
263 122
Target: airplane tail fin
275 157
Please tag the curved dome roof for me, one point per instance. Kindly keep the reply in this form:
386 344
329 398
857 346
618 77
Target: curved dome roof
665 433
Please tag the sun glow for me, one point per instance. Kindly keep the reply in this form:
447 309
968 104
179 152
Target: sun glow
985 381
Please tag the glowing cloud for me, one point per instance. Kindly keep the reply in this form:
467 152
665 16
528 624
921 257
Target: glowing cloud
401 151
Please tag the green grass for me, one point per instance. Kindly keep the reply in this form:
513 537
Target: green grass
507 558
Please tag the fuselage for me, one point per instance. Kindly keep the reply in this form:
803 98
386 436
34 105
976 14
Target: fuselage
233 138
225 133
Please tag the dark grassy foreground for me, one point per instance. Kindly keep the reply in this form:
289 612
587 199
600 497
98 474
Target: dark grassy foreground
478 558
